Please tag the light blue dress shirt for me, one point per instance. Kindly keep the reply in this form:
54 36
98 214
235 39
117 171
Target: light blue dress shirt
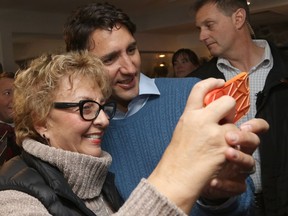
147 87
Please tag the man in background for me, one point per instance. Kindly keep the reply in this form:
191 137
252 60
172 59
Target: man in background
226 32
8 146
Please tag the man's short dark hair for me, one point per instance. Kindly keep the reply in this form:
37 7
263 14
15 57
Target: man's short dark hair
228 7
85 20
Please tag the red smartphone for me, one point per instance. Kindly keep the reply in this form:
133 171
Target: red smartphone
238 88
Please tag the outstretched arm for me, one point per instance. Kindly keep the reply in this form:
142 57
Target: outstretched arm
199 150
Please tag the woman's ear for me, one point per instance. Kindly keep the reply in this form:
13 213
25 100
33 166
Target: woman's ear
43 132
41 129
239 18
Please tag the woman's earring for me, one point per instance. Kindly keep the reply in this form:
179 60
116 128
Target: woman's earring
46 139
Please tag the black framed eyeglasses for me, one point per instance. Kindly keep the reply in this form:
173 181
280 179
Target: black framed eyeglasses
89 109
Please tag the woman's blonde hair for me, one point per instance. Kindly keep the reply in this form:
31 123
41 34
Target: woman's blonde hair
35 87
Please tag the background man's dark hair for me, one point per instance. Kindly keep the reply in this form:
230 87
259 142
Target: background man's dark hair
228 7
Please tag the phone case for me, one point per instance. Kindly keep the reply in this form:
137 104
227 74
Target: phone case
238 88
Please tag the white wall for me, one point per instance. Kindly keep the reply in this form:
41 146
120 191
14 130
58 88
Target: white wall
14 24
160 43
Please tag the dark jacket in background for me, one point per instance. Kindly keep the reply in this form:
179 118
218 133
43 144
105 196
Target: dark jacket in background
272 105
12 149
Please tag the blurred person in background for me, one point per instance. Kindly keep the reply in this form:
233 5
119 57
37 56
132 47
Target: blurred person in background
8 146
184 62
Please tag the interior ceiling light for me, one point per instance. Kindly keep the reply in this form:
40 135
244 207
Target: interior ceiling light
248 2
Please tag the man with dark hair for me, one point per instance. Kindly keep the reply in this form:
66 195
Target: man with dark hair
8 146
148 110
225 30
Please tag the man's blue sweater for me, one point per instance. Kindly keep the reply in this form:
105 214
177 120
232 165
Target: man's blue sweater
137 143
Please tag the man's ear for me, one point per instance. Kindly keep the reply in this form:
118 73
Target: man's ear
239 18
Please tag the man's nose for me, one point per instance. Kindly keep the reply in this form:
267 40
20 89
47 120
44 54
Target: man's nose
127 65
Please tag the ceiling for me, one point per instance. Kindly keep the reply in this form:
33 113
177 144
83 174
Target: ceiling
157 16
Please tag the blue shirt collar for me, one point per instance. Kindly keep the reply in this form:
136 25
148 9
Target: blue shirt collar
147 86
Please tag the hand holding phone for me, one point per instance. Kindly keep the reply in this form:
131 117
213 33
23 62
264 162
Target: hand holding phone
238 88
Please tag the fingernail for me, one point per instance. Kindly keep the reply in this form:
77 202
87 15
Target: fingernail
232 137
246 127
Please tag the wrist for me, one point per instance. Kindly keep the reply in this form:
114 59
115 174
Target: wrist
176 192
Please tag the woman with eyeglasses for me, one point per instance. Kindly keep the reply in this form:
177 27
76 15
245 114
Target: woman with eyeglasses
61 112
